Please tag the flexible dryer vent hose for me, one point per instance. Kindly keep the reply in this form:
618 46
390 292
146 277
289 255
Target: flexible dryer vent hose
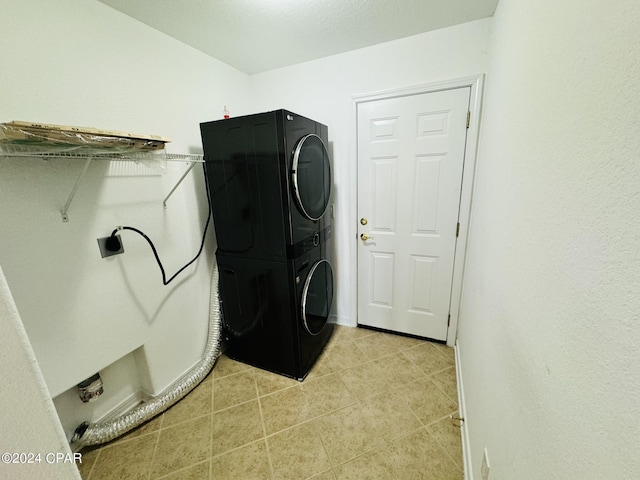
96 433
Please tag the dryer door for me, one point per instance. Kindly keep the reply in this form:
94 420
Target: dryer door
317 296
311 176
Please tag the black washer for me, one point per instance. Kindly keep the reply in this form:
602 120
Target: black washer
317 297
275 314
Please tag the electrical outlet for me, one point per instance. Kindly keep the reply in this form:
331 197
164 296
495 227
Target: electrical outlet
486 466
105 251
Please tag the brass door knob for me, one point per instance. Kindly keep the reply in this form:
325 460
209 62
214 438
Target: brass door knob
364 236
363 221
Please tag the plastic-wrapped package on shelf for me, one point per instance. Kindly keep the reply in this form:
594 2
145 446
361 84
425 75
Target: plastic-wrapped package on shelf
29 137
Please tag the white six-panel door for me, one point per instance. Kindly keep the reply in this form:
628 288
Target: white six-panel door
410 165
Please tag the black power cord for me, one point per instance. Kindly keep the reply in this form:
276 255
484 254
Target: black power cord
113 243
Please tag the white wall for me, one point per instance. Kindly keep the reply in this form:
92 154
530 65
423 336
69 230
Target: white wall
27 410
324 90
77 62
549 328
82 63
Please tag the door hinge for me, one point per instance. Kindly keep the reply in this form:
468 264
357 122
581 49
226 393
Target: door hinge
449 320
457 229
468 118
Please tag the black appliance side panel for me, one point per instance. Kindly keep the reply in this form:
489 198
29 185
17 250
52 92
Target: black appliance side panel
258 321
243 168
323 132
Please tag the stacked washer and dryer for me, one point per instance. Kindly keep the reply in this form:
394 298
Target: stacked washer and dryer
269 182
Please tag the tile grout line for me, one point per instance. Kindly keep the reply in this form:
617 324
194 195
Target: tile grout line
326 452
442 390
442 447
235 449
173 472
94 464
245 370
439 349
385 444
264 430
308 420
153 455
421 369
213 395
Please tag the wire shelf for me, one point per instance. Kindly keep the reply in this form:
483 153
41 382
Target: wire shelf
64 151
89 154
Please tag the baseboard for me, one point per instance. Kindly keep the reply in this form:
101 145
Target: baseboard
340 320
462 410
127 405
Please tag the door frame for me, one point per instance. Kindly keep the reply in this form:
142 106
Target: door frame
476 84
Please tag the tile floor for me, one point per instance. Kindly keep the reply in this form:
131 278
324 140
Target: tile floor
375 406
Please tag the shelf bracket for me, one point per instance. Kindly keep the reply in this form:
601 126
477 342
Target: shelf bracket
65 208
164 202
131 156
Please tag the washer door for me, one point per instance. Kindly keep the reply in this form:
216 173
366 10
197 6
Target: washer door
317 296
311 176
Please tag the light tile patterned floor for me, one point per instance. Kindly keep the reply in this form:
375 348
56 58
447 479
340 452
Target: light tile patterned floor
375 406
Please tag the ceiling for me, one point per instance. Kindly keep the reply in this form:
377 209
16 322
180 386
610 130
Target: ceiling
259 35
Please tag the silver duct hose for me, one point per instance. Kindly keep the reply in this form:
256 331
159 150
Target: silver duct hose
93 434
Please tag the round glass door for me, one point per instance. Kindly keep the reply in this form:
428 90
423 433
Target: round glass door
317 296
311 176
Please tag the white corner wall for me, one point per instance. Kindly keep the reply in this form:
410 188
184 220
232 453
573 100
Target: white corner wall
77 62
549 328
324 90
27 410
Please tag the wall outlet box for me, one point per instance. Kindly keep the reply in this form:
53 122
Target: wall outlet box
486 466
104 251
